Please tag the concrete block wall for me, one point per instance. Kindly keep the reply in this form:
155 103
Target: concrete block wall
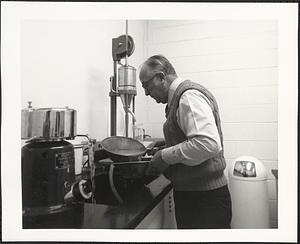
237 61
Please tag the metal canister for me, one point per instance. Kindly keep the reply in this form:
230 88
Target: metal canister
127 80
48 123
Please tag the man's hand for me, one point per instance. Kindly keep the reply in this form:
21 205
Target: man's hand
155 146
156 165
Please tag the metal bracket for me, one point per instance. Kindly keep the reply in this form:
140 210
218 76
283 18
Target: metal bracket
112 91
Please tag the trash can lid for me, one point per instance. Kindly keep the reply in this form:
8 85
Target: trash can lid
247 168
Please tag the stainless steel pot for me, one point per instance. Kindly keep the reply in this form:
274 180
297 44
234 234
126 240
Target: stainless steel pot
48 123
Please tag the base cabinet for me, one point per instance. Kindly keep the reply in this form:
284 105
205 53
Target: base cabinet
162 216
169 212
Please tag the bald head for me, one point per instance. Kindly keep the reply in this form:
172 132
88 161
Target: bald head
156 75
146 73
157 64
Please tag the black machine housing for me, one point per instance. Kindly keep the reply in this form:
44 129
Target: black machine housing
48 173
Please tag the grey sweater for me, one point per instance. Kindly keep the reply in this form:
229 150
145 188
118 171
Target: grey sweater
206 176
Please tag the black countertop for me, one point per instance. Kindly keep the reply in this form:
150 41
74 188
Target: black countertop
102 216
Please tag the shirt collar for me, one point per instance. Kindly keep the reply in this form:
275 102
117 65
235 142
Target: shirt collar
173 88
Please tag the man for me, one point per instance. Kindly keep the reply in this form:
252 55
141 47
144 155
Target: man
193 159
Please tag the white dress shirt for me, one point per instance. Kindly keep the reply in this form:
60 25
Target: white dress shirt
195 118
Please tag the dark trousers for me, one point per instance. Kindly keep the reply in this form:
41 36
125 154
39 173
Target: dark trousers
203 209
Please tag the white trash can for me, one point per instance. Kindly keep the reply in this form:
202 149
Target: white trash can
249 193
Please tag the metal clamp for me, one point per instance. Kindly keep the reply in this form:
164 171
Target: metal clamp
112 91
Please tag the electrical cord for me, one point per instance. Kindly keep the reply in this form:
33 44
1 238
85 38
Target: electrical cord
111 183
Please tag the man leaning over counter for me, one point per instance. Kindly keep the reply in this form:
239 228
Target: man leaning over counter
193 159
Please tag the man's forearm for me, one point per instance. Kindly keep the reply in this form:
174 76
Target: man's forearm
193 151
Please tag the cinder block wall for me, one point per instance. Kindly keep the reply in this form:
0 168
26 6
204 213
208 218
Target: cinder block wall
237 61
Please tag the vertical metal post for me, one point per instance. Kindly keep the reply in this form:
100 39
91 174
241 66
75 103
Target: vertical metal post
126 44
126 122
126 81
113 103
133 121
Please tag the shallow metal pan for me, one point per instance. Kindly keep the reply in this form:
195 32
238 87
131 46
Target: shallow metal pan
120 149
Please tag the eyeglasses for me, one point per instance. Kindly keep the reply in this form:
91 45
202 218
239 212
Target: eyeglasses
146 83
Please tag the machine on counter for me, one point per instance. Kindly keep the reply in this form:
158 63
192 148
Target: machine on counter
124 162
48 169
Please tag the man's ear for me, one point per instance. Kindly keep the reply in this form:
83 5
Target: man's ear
161 75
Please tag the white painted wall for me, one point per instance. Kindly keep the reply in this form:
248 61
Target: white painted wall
237 62
69 63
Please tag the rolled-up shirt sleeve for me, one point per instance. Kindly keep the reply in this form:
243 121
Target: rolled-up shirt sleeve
196 120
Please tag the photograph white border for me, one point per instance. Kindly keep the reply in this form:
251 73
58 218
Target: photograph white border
12 13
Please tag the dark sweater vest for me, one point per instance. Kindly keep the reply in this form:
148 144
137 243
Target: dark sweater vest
209 174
